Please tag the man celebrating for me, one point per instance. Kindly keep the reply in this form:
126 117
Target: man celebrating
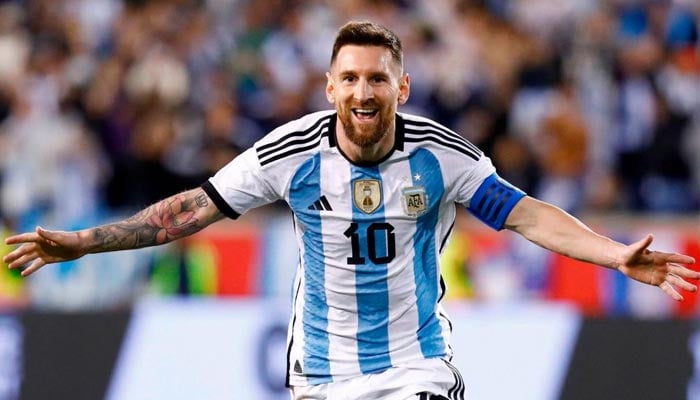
374 195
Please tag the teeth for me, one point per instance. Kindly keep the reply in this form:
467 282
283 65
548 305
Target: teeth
364 111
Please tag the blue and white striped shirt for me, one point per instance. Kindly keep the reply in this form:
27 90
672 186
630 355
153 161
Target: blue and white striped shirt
368 288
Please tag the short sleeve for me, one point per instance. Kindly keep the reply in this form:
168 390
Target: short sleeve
469 175
241 185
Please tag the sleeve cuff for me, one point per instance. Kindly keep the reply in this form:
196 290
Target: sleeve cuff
219 201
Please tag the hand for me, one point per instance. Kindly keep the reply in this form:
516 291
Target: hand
42 247
657 268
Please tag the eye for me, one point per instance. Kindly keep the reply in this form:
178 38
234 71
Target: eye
349 79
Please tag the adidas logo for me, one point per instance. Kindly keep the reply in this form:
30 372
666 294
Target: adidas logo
297 367
321 204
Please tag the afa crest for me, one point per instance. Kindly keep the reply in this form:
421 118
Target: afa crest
367 194
415 201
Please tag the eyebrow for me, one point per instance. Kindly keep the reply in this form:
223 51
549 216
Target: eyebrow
371 74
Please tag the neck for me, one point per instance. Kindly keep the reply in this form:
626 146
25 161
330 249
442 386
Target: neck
365 154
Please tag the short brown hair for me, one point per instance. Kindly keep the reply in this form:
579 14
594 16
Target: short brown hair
365 33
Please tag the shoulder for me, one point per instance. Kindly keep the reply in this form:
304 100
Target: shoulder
295 137
424 132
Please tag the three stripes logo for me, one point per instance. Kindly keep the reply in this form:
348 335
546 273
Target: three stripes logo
321 204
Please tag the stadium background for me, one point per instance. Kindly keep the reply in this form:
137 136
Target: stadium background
107 106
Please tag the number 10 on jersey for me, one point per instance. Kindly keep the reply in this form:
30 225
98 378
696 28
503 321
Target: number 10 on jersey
376 235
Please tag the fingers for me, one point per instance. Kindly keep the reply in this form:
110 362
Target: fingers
22 260
38 263
13 258
642 244
679 282
678 258
38 235
23 238
25 254
677 274
671 291
28 251
675 279
683 272
50 236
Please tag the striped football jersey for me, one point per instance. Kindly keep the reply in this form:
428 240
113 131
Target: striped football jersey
367 289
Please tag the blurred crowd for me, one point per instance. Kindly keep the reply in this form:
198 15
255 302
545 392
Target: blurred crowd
110 105
107 106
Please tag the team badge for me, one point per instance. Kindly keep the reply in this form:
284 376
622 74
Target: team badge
367 194
415 201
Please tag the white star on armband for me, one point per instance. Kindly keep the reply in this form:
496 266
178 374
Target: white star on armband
416 177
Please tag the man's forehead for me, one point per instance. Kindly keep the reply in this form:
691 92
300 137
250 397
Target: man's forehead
356 57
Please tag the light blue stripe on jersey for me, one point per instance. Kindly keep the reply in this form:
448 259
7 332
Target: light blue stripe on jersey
305 189
371 284
426 173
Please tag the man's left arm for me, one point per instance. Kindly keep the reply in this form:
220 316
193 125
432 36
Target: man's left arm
554 229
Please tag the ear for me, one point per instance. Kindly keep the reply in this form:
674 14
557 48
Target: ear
330 95
404 89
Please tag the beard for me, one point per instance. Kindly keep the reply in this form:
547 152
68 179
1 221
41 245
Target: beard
365 135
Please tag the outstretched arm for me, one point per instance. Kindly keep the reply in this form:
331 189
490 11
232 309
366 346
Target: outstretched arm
556 230
175 217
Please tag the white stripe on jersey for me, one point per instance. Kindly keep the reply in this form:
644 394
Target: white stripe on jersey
403 316
368 283
340 278
377 326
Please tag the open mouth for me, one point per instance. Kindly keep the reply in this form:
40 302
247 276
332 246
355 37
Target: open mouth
365 113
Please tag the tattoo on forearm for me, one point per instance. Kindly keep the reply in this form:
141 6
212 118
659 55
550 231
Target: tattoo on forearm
165 221
201 200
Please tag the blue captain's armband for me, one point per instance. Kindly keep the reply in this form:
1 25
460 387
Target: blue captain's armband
494 200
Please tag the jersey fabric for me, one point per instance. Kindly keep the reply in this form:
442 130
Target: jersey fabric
367 290
425 379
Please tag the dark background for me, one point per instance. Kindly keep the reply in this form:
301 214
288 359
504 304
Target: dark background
72 355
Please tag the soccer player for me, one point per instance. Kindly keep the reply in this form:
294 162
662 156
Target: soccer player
374 193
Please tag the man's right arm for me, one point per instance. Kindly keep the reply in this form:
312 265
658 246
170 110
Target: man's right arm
170 219
173 218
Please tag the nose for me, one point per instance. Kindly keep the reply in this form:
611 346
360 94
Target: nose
363 90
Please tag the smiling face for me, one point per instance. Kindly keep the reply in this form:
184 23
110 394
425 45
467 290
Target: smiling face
366 85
